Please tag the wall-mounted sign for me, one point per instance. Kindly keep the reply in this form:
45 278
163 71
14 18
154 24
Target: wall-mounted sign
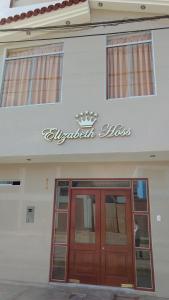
86 130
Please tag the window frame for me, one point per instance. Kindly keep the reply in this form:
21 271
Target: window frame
150 41
6 59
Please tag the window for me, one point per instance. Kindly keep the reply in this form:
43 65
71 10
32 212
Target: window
32 75
60 231
16 3
129 65
142 235
9 182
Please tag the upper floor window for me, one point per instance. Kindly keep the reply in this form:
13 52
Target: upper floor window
32 75
129 65
16 3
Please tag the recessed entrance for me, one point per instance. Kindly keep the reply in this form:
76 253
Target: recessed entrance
101 233
101 247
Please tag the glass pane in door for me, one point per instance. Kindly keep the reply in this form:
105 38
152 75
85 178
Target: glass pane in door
85 219
141 231
60 228
143 269
140 195
115 222
59 263
62 195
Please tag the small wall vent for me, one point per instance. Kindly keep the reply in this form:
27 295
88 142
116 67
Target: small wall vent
9 182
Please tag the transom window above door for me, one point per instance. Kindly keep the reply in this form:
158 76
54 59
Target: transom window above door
32 75
129 65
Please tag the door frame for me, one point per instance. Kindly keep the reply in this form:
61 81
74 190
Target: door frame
100 208
66 244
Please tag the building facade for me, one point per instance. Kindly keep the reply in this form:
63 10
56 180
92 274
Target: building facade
84 156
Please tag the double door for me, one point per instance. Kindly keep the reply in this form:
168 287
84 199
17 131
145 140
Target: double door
100 250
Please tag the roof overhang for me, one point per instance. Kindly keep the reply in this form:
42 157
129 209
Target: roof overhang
146 6
73 14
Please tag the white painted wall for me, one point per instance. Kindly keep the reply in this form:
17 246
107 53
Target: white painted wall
84 88
25 248
6 11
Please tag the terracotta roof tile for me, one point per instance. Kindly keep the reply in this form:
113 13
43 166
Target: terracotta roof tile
39 11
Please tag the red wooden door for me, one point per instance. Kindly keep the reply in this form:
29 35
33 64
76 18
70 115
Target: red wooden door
100 237
116 238
84 251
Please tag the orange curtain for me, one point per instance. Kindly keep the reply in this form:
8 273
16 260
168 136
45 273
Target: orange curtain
32 80
117 72
16 82
142 70
46 83
129 67
128 38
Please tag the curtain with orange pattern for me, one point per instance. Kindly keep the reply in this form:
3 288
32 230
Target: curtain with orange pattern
129 66
32 76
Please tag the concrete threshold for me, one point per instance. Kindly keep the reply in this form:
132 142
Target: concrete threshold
69 291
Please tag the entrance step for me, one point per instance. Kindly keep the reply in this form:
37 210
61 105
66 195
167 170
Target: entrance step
124 297
77 296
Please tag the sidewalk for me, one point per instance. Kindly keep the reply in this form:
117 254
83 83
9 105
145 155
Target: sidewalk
63 292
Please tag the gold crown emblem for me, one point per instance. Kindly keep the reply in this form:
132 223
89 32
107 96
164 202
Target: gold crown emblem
86 119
